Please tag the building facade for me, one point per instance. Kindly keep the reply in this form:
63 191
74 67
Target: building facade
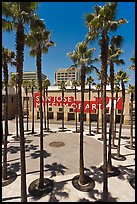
12 101
72 107
67 75
30 76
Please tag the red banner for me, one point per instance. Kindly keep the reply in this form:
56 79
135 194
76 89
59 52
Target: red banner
69 101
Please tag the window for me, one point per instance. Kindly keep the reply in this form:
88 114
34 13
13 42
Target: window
50 109
60 109
71 110
71 116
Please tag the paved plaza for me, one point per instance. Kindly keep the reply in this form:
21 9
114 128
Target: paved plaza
61 164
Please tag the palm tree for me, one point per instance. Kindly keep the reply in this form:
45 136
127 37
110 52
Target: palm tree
116 90
131 90
12 83
47 84
2 111
114 53
90 81
39 41
43 87
98 87
7 58
32 85
132 67
123 78
99 74
26 85
102 22
82 56
63 88
75 84
19 14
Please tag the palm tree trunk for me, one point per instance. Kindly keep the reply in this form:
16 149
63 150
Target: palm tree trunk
131 121
47 109
76 112
32 92
62 109
81 176
121 120
89 110
6 127
41 181
19 60
115 124
44 110
98 115
17 135
102 106
104 54
2 130
27 108
111 127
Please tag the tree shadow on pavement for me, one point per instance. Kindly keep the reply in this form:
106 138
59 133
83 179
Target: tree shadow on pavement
97 175
55 169
37 154
126 172
15 149
59 192
15 167
97 196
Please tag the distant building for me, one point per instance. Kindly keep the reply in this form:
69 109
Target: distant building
67 75
12 99
30 76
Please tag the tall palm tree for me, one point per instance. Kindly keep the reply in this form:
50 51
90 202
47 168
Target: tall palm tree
75 84
7 58
62 86
2 111
17 14
102 22
113 58
12 82
98 87
39 42
82 56
99 75
43 87
26 85
116 90
90 81
47 84
123 78
32 86
131 90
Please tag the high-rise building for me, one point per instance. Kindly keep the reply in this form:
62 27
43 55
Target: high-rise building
67 75
30 76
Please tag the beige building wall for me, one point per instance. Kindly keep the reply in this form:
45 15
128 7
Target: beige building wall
67 109
11 106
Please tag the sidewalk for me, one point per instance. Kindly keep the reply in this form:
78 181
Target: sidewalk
61 164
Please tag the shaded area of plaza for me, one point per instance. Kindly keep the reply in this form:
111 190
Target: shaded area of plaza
61 164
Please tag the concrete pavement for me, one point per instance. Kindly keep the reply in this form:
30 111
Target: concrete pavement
61 164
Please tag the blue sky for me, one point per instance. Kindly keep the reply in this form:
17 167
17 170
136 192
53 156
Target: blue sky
66 23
